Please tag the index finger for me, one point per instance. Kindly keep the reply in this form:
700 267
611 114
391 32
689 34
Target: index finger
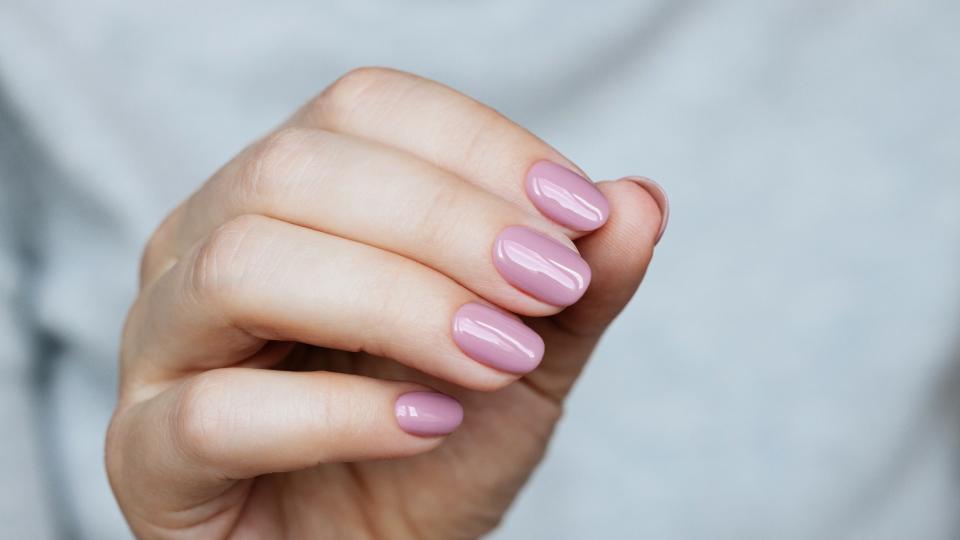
461 135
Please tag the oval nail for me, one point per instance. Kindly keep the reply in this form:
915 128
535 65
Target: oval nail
540 266
566 197
496 339
428 414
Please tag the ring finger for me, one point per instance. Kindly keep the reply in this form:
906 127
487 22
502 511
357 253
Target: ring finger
257 279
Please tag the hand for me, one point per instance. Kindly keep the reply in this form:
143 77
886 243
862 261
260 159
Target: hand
297 314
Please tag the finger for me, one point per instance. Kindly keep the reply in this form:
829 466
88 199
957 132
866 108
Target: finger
461 135
386 198
257 279
191 442
619 255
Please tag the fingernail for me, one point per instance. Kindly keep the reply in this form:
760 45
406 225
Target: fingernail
540 266
428 414
566 197
496 339
660 196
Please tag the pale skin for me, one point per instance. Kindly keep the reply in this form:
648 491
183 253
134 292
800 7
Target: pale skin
288 303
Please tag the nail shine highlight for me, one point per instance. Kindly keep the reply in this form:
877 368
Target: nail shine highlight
428 414
540 266
496 339
566 197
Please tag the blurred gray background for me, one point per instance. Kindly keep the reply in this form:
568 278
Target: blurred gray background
790 366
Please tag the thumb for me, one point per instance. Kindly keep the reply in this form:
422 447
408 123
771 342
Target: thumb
618 254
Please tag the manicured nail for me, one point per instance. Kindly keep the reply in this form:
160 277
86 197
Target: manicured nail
496 339
428 413
540 266
660 196
566 197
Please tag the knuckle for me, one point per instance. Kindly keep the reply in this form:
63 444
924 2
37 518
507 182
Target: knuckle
267 174
491 137
221 263
200 419
355 82
449 204
352 88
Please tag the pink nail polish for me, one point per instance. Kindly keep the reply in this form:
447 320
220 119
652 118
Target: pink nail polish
495 339
540 266
660 196
566 197
428 414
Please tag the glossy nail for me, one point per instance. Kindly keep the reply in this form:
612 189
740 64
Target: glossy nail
660 196
496 339
566 197
540 266
428 414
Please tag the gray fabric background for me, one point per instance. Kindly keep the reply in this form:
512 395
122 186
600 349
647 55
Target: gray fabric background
788 370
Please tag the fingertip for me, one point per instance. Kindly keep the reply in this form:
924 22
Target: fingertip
639 208
618 254
656 191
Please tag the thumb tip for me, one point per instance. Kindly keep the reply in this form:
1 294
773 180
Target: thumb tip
659 196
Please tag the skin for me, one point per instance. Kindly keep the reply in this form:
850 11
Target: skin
310 282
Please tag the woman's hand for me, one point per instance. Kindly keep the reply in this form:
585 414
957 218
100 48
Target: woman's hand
299 313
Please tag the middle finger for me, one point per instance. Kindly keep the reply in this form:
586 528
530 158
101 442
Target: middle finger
388 199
